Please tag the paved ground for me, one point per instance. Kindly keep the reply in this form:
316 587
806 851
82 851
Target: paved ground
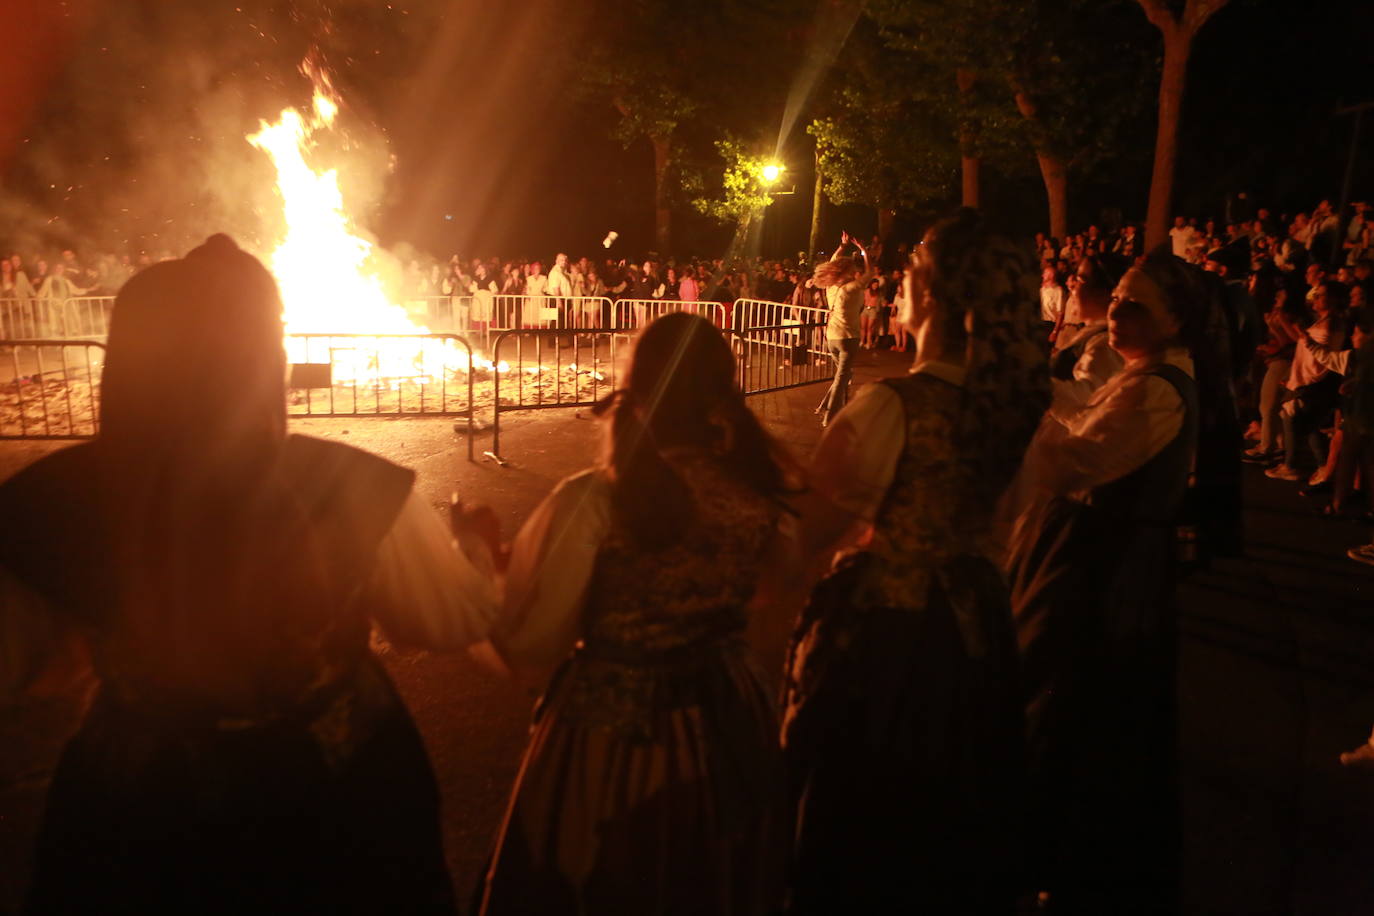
1277 678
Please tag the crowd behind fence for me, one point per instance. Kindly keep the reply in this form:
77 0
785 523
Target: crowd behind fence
463 364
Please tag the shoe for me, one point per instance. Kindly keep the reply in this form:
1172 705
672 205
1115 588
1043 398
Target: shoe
1315 489
1362 554
1259 456
1319 477
1252 431
825 421
1282 472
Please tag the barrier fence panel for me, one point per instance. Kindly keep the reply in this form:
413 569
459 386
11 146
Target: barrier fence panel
78 318
51 388
381 375
548 312
633 314
87 316
539 369
779 345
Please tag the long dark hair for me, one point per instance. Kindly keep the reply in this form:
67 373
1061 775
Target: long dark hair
218 579
681 393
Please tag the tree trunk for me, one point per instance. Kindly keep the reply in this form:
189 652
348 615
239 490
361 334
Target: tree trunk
968 160
1055 172
886 217
663 212
817 202
969 166
1053 169
1177 47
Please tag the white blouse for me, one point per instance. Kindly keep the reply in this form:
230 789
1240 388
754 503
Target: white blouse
551 564
1123 425
1094 368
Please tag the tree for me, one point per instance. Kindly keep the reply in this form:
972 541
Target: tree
950 42
1178 29
1074 96
660 65
1024 75
745 190
880 140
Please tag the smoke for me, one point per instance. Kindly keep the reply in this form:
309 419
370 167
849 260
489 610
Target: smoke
138 144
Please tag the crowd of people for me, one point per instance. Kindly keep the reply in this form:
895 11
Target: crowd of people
977 705
1290 335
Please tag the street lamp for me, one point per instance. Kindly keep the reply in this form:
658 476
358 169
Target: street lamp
772 172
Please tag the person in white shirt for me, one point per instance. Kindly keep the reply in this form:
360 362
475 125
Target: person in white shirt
1083 359
1182 237
1051 297
559 287
536 288
1313 388
1092 572
843 283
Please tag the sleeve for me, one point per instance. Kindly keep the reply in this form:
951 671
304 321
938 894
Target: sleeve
28 636
1093 370
1110 439
1338 361
551 564
857 457
425 592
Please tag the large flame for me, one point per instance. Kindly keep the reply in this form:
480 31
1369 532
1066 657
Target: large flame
322 266
328 282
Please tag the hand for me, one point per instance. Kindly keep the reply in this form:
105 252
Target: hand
844 238
478 533
1362 756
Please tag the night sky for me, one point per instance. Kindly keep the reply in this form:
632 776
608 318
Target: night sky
124 130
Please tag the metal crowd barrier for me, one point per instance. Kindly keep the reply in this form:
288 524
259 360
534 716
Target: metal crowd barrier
381 375
779 345
53 386
50 389
633 314
34 317
541 369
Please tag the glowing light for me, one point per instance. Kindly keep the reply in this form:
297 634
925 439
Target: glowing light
772 172
328 282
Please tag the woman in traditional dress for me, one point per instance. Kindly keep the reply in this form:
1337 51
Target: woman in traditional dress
245 751
902 725
1093 566
651 784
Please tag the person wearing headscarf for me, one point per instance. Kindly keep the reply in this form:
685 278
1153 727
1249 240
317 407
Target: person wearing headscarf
902 721
1092 566
244 750
651 783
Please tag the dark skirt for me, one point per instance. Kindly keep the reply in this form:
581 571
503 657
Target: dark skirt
143 817
650 786
1093 598
905 754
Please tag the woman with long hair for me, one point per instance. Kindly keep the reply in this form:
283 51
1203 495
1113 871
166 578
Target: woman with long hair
902 726
842 281
650 784
245 750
